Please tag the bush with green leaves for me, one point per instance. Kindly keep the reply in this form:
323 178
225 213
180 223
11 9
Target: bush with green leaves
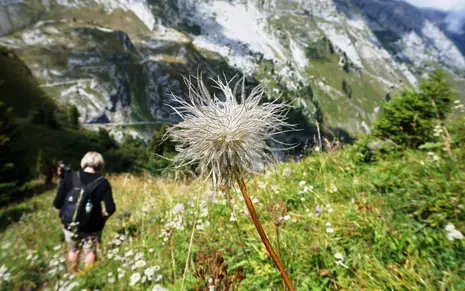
409 119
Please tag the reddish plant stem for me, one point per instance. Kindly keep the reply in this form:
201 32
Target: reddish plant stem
263 237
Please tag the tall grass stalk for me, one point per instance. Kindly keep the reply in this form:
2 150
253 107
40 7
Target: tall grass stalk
191 241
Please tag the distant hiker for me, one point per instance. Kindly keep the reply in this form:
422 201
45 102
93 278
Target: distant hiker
79 204
63 171
49 173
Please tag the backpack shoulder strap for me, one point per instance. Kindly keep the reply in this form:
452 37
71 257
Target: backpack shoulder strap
94 184
77 180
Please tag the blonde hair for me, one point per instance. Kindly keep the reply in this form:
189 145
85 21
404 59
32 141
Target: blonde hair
93 160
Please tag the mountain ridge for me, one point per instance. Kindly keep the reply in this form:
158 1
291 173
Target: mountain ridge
118 60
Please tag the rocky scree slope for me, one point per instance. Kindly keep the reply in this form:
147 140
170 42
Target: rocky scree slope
118 60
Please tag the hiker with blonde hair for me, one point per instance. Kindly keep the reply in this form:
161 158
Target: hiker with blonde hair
79 204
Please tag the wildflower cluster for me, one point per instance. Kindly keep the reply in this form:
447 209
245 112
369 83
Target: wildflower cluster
58 262
203 213
452 233
117 240
142 275
173 221
459 106
32 256
133 262
4 274
433 156
438 130
306 189
65 285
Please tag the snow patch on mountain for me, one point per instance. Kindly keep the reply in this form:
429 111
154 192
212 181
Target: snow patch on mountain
298 55
235 31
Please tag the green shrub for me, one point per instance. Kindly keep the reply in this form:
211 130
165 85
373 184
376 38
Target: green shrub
409 118
370 149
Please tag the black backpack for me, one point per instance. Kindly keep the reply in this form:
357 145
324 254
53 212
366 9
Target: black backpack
66 171
75 212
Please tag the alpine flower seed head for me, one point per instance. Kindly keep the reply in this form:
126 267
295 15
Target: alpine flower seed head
225 138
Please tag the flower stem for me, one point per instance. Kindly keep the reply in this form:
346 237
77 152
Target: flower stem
172 258
263 237
279 251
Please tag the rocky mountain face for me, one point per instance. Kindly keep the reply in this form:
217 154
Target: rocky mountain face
118 61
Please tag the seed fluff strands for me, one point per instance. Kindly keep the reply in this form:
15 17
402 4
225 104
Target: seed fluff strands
226 138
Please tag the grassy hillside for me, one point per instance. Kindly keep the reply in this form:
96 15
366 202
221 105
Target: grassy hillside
338 224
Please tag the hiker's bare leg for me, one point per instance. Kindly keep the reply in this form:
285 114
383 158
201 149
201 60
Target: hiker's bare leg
73 259
90 258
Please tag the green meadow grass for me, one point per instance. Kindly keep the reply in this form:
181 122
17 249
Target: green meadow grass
348 226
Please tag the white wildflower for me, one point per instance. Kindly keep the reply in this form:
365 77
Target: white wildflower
158 288
287 172
150 271
140 264
178 208
129 253
302 183
134 279
329 227
340 260
204 212
332 188
453 233
4 274
150 250
329 208
139 256
57 248
232 218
